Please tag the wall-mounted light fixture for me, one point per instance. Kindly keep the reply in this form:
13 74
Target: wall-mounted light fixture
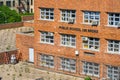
76 53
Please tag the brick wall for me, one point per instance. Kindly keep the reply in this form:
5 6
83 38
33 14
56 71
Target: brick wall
17 24
23 43
26 18
11 25
28 23
6 56
105 32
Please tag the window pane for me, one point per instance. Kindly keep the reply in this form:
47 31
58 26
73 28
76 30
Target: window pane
90 43
68 40
113 46
66 15
68 64
47 61
90 16
114 18
113 72
46 14
47 37
91 68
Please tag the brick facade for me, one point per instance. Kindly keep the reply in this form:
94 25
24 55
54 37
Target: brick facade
27 18
102 31
11 25
23 43
5 57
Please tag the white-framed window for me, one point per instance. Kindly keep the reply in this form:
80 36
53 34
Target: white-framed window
68 40
91 43
113 19
90 16
68 64
90 68
47 14
113 72
114 46
67 15
47 37
47 60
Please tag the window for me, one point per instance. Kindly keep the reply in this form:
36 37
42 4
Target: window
46 14
47 60
8 3
13 3
91 16
47 37
113 19
31 2
91 68
68 64
66 15
91 43
68 40
113 46
113 72
1 3
31 10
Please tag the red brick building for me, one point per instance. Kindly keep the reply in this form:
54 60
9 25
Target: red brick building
78 37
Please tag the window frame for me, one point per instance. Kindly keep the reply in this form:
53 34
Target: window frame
8 3
89 15
50 11
87 44
112 72
87 69
1 3
68 65
43 35
113 43
67 36
45 59
66 15
114 25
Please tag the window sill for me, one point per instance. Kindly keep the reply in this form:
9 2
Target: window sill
45 20
90 50
68 46
111 26
67 22
90 74
46 43
47 66
113 53
67 70
89 24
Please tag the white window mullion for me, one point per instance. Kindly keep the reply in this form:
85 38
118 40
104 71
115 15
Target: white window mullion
91 16
46 16
67 15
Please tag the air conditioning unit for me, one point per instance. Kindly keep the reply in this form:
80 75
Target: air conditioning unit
50 34
92 48
50 57
118 25
94 23
85 38
71 21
